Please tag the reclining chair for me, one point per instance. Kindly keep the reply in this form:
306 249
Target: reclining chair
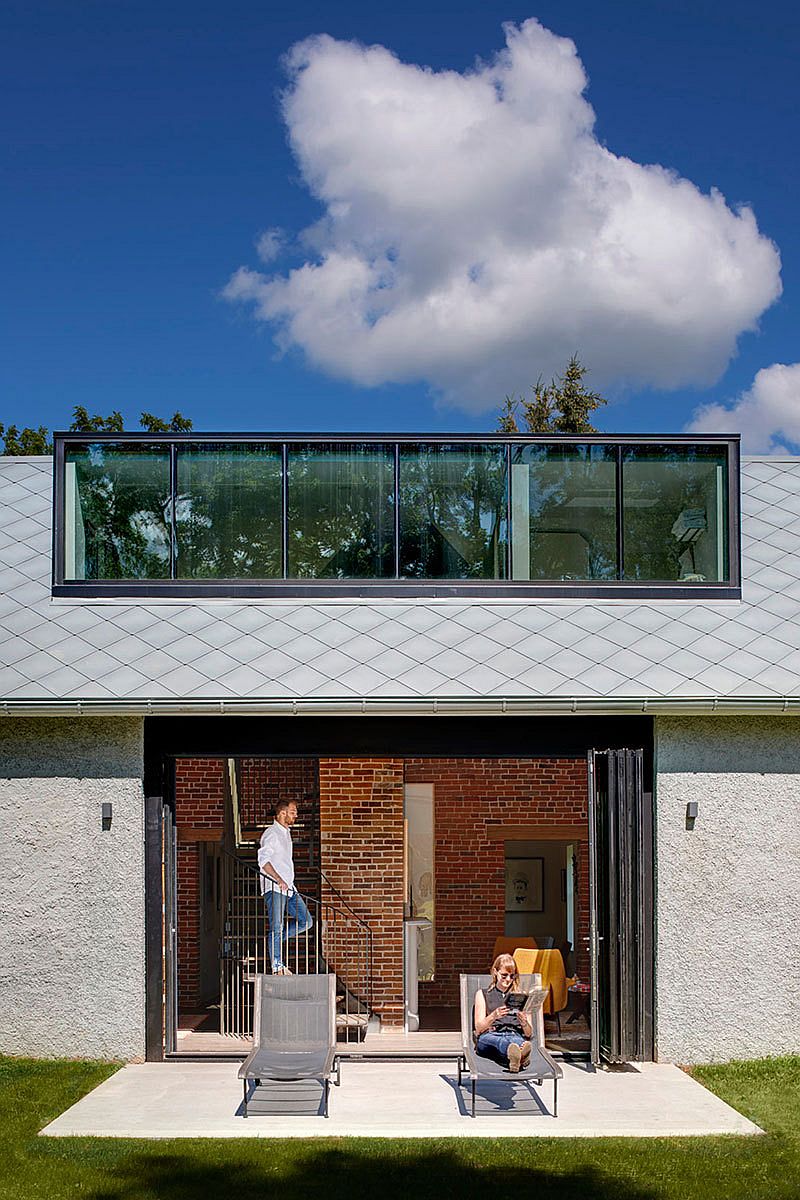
294 1032
540 1066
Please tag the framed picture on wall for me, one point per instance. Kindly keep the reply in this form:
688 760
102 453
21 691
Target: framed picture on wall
524 885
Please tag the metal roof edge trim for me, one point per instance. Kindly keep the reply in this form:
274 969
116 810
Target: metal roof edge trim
432 707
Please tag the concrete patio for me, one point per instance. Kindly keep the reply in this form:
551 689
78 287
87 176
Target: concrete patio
399 1099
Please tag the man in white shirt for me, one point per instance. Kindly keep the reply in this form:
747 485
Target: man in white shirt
288 915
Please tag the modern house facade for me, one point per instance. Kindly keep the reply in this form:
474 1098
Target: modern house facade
533 687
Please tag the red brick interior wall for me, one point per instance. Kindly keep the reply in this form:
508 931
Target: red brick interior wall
188 927
361 834
200 793
262 782
199 804
470 795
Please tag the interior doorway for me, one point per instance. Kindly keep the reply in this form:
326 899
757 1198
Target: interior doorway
221 807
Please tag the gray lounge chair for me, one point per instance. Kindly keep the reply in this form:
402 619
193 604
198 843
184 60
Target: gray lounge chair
541 1066
294 1032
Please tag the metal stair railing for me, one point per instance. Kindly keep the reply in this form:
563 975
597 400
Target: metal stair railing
338 940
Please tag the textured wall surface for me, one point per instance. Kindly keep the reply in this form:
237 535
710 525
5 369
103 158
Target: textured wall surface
728 928
72 933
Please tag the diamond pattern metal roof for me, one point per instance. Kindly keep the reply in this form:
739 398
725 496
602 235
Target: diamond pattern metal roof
131 649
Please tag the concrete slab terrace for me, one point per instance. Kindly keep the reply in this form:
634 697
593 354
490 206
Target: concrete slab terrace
398 1100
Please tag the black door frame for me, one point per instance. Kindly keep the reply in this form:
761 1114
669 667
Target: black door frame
621 906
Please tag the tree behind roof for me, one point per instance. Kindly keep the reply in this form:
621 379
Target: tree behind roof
30 441
562 406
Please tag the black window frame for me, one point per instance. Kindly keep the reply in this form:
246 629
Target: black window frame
399 587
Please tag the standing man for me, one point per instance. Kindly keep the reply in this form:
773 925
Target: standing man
288 915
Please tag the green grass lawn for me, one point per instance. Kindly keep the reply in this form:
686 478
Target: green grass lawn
33 1092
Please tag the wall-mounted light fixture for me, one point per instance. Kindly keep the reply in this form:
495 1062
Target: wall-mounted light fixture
691 813
106 811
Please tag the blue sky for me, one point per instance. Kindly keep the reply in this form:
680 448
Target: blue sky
146 150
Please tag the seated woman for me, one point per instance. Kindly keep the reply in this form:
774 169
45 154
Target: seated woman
502 1030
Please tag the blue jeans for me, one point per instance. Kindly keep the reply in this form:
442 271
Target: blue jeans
288 918
495 1045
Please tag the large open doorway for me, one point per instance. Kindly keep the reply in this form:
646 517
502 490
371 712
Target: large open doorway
510 834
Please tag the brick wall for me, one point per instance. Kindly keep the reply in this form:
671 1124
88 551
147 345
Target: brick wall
199 804
200 792
361 832
469 796
262 782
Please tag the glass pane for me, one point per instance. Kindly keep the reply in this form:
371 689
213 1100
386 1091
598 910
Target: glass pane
675 514
341 512
563 512
116 512
420 872
228 512
453 512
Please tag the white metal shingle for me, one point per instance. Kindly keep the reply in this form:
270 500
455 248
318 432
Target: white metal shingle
126 648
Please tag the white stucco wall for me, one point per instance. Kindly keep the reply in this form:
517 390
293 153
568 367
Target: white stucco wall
728 891
72 928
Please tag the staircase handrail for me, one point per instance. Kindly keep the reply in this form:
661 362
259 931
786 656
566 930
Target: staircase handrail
356 983
344 903
253 867
249 865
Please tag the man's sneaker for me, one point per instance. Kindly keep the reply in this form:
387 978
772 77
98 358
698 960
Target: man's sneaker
514 1056
525 1055
281 971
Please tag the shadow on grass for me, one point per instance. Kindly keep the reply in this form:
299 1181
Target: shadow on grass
344 1174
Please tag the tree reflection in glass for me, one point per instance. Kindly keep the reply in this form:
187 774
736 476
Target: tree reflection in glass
341 511
228 511
563 512
675 517
117 511
453 512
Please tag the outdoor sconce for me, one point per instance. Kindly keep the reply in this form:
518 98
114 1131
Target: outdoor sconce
106 811
691 813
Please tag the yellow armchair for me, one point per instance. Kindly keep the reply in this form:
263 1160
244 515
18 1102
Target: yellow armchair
550 965
510 945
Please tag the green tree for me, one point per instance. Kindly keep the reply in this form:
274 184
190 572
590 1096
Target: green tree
563 405
176 424
25 441
83 423
38 441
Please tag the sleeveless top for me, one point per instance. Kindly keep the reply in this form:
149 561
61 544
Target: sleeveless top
494 999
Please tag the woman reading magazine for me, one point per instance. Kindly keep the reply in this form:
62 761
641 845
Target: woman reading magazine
502 1029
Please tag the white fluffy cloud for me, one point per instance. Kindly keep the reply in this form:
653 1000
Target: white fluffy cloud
475 232
767 415
269 244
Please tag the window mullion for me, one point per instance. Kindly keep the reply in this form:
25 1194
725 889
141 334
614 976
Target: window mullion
620 528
